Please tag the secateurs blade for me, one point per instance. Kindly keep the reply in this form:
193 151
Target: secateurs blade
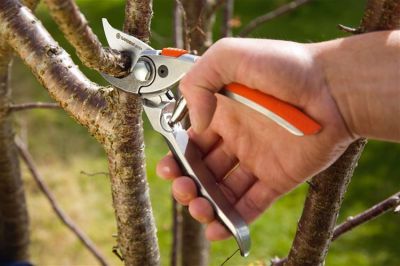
153 74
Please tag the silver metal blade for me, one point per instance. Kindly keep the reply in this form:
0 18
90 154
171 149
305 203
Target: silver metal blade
121 41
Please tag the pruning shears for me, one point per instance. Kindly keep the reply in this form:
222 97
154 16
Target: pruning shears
152 75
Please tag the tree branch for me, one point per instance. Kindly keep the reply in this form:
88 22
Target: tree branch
361 218
321 208
138 15
90 104
64 218
89 49
390 17
14 218
226 28
137 239
367 215
271 15
28 106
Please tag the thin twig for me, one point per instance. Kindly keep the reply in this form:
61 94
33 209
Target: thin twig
367 215
348 29
354 221
226 27
94 174
177 30
28 106
271 15
213 8
65 219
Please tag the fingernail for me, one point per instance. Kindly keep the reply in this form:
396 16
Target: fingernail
163 171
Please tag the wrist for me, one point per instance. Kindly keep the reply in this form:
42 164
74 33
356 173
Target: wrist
327 58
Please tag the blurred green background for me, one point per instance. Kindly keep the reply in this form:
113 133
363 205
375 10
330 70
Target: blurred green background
63 149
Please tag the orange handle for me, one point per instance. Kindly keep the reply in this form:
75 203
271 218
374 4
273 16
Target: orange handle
281 112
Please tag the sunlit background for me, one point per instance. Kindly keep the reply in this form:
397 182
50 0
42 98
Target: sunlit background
64 151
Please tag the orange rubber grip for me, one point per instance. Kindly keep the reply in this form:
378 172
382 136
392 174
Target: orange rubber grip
286 111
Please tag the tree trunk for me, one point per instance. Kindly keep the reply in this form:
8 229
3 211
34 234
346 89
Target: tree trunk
14 221
137 238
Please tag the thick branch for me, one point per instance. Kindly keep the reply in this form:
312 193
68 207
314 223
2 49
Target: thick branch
64 218
77 31
271 15
14 219
53 67
321 209
29 106
367 215
137 238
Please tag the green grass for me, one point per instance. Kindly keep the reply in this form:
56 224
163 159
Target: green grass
63 149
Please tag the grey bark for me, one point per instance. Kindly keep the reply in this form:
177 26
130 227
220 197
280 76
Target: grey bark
90 51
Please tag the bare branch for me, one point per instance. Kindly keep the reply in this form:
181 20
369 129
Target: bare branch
87 102
64 218
361 218
271 15
367 215
14 218
348 29
177 30
28 106
213 7
137 239
90 51
186 30
226 27
138 15
94 174
316 225
372 14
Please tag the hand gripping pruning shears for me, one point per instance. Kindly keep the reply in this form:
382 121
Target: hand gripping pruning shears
152 75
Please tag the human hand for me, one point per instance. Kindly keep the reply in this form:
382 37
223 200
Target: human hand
254 160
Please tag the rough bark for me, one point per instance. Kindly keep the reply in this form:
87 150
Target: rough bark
321 209
89 49
88 103
315 229
138 15
137 240
14 220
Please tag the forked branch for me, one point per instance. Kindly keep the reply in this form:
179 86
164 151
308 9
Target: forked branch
255 23
89 49
64 218
53 67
